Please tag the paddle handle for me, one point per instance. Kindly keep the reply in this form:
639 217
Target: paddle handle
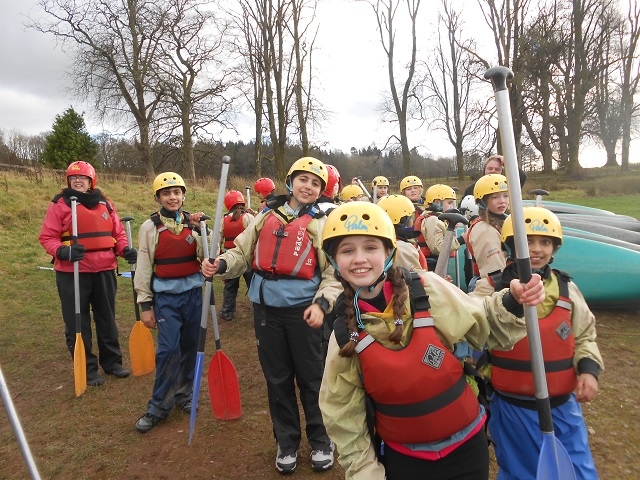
359 179
17 428
248 190
132 266
452 220
499 76
76 267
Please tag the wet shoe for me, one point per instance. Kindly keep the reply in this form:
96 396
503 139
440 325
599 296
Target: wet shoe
322 460
286 464
147 422
119 371
95 380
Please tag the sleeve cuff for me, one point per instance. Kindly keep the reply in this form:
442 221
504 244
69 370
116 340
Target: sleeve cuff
589 365
323 304
222 266
145 306
461 240
512 306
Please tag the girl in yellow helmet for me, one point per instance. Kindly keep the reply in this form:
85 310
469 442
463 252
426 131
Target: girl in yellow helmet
282 247
391 353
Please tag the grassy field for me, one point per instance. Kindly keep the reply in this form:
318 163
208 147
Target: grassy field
93 436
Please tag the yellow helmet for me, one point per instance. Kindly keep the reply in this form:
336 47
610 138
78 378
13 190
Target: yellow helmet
439 192
357 218
312 165
493 183
410 181
397 207
537 221
380 181
351 191
168 179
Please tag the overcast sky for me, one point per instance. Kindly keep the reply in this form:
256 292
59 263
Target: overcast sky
350 61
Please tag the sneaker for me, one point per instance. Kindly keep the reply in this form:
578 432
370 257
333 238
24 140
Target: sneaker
147 422
186 407
322 460
286 464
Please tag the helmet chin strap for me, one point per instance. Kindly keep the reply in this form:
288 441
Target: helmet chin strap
387 265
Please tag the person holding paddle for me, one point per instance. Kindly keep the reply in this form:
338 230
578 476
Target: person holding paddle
395 400
100 237
168 284
282 246
572 361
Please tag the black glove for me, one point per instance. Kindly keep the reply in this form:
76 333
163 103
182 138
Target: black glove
130 254
73 253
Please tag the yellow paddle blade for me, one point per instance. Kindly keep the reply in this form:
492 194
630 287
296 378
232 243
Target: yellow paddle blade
141 350
79 366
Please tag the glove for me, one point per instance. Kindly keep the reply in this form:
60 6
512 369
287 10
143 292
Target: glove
73 253
130 254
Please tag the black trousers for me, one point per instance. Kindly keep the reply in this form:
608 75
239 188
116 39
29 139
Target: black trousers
231 286
291 353
470 461
97 295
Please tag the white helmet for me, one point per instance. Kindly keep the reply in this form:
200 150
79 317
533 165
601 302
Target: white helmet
469 207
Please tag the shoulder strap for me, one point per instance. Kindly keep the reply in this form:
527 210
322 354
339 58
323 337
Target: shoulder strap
418 298
563 282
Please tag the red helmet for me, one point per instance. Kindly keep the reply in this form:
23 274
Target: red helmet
82 168
264 186
334 177
233 198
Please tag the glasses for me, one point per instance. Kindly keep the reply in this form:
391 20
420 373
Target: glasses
73 178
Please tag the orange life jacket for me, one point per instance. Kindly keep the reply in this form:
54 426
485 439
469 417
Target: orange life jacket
176 255
231 229
95 227
285 249
511 370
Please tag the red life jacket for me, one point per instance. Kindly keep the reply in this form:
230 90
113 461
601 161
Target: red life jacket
422 242
176 255
511 370
95 227
285 249
231 229
433 400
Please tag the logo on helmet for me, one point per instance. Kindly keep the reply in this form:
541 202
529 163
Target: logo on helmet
538 226
354 223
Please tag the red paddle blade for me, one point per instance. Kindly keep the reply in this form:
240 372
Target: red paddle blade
141 350
224 389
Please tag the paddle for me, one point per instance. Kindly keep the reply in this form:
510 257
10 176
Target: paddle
375 191
141 348
554 461
79 354
224 389
452 217
248 190
366 192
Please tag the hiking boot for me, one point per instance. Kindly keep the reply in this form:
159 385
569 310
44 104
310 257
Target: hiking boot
322 460
118 371
147 422
286 463
95 380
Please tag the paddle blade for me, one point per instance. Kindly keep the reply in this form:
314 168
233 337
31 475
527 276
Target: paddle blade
197 378
224 389
79 366
554 462
141 350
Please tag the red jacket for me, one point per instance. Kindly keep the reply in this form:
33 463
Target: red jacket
57 221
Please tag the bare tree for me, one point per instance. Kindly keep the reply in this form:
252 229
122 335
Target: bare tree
194 73
450 81
630 78
401 101
115 45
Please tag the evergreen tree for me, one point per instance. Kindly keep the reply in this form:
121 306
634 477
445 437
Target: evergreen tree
69 141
